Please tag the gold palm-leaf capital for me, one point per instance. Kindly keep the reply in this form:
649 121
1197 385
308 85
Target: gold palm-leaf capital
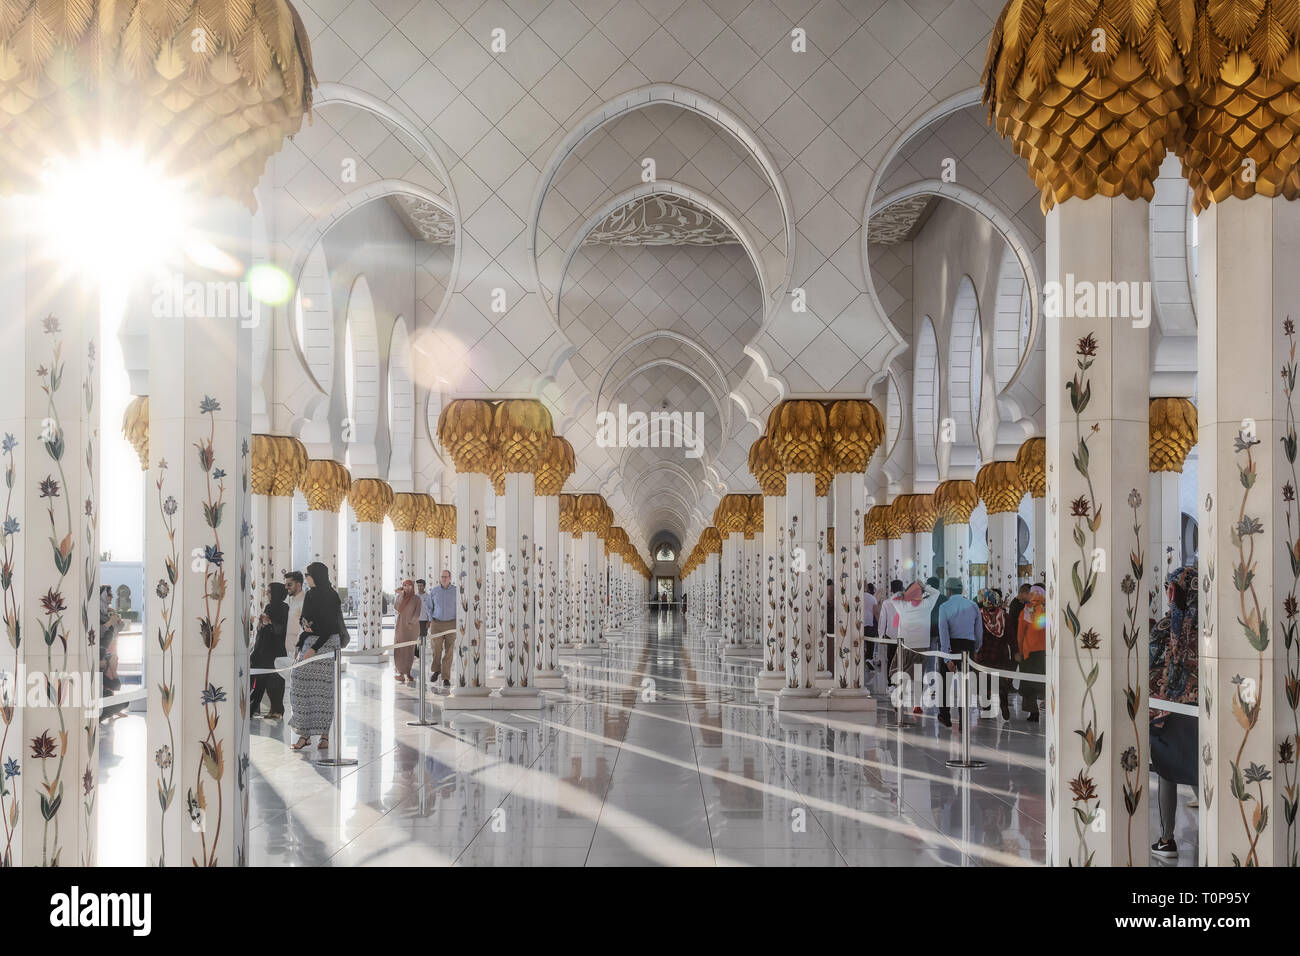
520 430
1172 433
209 89
765 466
465 430
854 432
1000 487
324 483
370 499
1031 462
1092 93
290 463
919 512
135 429
956 500
405 511
797 429
732 514
555 466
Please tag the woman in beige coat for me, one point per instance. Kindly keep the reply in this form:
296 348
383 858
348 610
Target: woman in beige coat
406 631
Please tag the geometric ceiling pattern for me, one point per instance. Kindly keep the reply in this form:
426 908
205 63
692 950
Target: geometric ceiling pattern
779 144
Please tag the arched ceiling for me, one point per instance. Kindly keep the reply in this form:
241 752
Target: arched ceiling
660 290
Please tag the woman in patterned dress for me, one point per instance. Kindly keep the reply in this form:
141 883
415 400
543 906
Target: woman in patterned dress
998 647
312 689
1173 677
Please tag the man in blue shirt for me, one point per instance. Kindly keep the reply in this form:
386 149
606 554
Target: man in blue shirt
442 628
960 629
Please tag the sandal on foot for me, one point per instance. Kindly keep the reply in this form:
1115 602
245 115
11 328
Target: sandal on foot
324 744
302 742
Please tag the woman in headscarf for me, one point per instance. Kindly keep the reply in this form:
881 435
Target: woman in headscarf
407 629
996 650
109 623
267 646
1173 677
1032 650
312 692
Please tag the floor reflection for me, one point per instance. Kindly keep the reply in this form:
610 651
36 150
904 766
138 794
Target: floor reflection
655 753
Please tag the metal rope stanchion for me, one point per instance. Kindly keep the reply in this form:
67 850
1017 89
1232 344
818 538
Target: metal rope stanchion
423 719
966 763
338 760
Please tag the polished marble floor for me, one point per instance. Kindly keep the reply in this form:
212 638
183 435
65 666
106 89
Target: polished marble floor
655 754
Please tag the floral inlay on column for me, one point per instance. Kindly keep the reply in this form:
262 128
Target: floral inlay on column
1131 760
1086 512
1248 694
9 695
1289 741
211 624
471 608
53 605
165 589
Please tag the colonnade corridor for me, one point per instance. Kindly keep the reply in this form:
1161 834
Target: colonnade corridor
656 753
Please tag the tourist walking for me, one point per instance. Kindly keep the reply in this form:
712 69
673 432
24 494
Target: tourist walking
312 695
268 646
442 628
406 630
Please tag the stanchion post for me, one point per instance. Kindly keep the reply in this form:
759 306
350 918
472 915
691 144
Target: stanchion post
338 760
423 714
966 763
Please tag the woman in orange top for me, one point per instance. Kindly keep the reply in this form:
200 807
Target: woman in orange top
1032 652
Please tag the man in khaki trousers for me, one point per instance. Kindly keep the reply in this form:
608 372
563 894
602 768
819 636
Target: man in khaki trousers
442 629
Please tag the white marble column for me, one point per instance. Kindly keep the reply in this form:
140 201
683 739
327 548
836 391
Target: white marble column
956 500
550 590
49 551
806 621
591 552
923 514
325 484
290 462
263 455
515 534
199 556
1097 394
568 636
1001 488
711 604
849 493
825 544
1173 427
1031 462
615 615
469 689
1166 536
1248 288
371 499
403 513
753 636
733 546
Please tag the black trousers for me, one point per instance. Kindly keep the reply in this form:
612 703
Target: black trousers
272 684
956 647
1031 691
